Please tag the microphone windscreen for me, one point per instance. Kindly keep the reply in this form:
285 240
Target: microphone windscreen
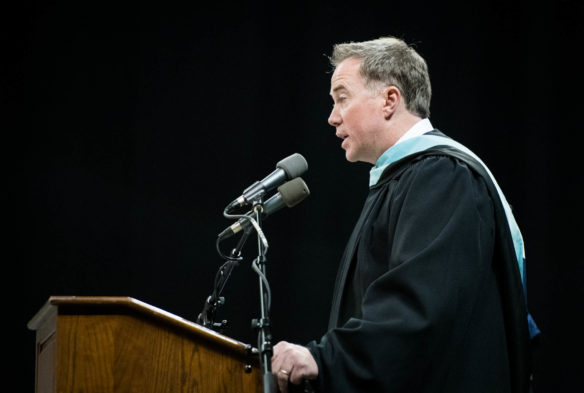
294 191
294 165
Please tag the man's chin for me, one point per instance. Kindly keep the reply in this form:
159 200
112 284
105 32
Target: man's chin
350 156
354 158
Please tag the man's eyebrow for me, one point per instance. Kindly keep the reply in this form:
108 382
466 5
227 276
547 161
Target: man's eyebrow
337 88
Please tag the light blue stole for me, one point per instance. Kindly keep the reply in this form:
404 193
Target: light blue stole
427 141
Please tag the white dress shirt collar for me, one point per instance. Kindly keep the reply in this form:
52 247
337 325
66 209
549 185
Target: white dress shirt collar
421 127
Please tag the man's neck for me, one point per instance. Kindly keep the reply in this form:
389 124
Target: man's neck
405 123
398 126
421 127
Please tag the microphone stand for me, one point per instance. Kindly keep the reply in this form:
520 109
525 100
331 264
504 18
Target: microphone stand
262 325
207 316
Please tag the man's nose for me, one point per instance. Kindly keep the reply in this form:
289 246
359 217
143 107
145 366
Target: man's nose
334 118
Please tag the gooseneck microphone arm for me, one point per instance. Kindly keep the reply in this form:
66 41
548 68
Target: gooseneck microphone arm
213 301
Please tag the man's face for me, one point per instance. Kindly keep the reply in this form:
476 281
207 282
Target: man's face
357 113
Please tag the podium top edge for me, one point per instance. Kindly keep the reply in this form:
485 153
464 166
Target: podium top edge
54 302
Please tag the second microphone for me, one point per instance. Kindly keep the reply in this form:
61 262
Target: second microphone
289 194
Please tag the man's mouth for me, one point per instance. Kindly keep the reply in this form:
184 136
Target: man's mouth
343 136
344 141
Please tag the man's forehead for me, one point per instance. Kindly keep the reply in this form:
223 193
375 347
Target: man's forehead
346 73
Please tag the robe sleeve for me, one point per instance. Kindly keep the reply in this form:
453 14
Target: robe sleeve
421 315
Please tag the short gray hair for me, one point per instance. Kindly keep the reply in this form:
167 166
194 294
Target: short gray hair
390 61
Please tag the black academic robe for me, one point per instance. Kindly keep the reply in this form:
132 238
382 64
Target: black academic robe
428 296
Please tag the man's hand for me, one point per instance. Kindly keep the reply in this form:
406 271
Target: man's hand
292 363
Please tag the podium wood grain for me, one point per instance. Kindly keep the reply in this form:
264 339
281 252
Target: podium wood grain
116 344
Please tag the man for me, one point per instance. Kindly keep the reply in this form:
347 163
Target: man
429 294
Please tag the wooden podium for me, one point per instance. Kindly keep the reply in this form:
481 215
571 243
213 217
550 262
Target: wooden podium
120 344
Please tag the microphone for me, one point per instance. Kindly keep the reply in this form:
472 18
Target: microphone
289 194
287 169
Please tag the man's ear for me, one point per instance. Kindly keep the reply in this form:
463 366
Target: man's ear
391 99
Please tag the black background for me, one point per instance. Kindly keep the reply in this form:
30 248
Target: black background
137 124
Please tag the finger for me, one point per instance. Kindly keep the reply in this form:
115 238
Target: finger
277 365
299 373
276 359
283 377
277 350
304 367
296 376
281 355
